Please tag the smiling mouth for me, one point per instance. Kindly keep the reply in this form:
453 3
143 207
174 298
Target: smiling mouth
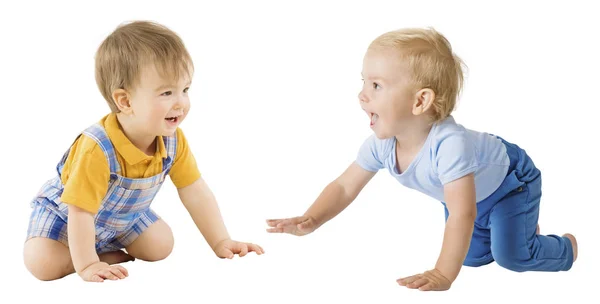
172 119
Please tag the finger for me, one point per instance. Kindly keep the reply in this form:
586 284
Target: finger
106 274
291 221
228 254
307 224
274 222
418 283
243 250
122 269
275 230
117 272
225 253
255 248
408 280
96 278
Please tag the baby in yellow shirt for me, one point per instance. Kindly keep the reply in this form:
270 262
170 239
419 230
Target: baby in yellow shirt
99 202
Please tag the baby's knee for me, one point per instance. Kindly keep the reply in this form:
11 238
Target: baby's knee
161 249
509 259
154 244
42 264
511 264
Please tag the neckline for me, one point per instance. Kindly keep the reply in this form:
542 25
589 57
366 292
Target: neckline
417 158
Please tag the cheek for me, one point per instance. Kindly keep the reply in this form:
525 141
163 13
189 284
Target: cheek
401 106
185 102
159 109
151 114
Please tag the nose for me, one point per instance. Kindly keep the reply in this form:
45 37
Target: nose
362 97
180 107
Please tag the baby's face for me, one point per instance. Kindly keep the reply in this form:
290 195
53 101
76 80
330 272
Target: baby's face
387 95
159 104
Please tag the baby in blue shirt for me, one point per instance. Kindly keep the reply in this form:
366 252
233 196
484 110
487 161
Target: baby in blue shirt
489 187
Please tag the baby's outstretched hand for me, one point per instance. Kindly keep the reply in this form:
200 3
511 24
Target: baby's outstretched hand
301 225
226 249
429 280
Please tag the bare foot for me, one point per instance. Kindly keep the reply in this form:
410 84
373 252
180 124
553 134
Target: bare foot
574 243
116 257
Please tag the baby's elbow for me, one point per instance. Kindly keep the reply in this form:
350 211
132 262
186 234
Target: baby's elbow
469 213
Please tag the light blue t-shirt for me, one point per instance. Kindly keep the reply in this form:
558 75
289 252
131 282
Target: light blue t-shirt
451 151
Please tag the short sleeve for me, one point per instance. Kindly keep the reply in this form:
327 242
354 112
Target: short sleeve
85 176
184 171
369 155
456 157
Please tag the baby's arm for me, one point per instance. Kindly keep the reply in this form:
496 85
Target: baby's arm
461 203
339 194
202 206
462 208
336 196
82 231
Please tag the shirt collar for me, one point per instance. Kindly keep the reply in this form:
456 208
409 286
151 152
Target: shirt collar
125 147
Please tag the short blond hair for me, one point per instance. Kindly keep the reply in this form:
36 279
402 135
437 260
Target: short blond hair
131 46
431 62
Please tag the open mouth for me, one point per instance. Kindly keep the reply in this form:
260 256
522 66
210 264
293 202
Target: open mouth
173 119
374 118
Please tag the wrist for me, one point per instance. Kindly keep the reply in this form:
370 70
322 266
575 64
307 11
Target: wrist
315 219
86 265
216 243
444 276
449 273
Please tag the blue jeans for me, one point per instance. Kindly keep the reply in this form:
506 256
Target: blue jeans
505 227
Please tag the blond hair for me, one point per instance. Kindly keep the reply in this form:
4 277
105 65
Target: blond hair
431 62
131 46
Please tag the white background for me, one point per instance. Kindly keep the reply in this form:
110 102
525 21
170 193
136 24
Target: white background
275 117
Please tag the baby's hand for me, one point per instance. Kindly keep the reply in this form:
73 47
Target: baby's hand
301 225
100 271
228 248
429 280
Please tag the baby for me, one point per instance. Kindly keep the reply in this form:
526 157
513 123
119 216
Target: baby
99 202
489 187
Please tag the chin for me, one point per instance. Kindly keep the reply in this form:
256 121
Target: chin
382 135
168 133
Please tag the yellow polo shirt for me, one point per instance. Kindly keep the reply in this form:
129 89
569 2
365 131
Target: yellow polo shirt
86 171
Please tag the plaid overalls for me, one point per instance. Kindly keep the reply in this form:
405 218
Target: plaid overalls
124 212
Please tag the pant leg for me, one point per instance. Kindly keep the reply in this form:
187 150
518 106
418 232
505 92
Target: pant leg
44 222
480 252
127 237
513 222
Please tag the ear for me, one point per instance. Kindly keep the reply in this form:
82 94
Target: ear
122 101
424 101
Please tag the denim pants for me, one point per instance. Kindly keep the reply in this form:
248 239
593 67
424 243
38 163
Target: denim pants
505 226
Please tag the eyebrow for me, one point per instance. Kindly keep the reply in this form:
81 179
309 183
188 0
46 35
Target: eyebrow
168 86
374 78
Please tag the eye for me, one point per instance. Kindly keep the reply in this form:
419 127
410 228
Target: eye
167 93
376 85
186 90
